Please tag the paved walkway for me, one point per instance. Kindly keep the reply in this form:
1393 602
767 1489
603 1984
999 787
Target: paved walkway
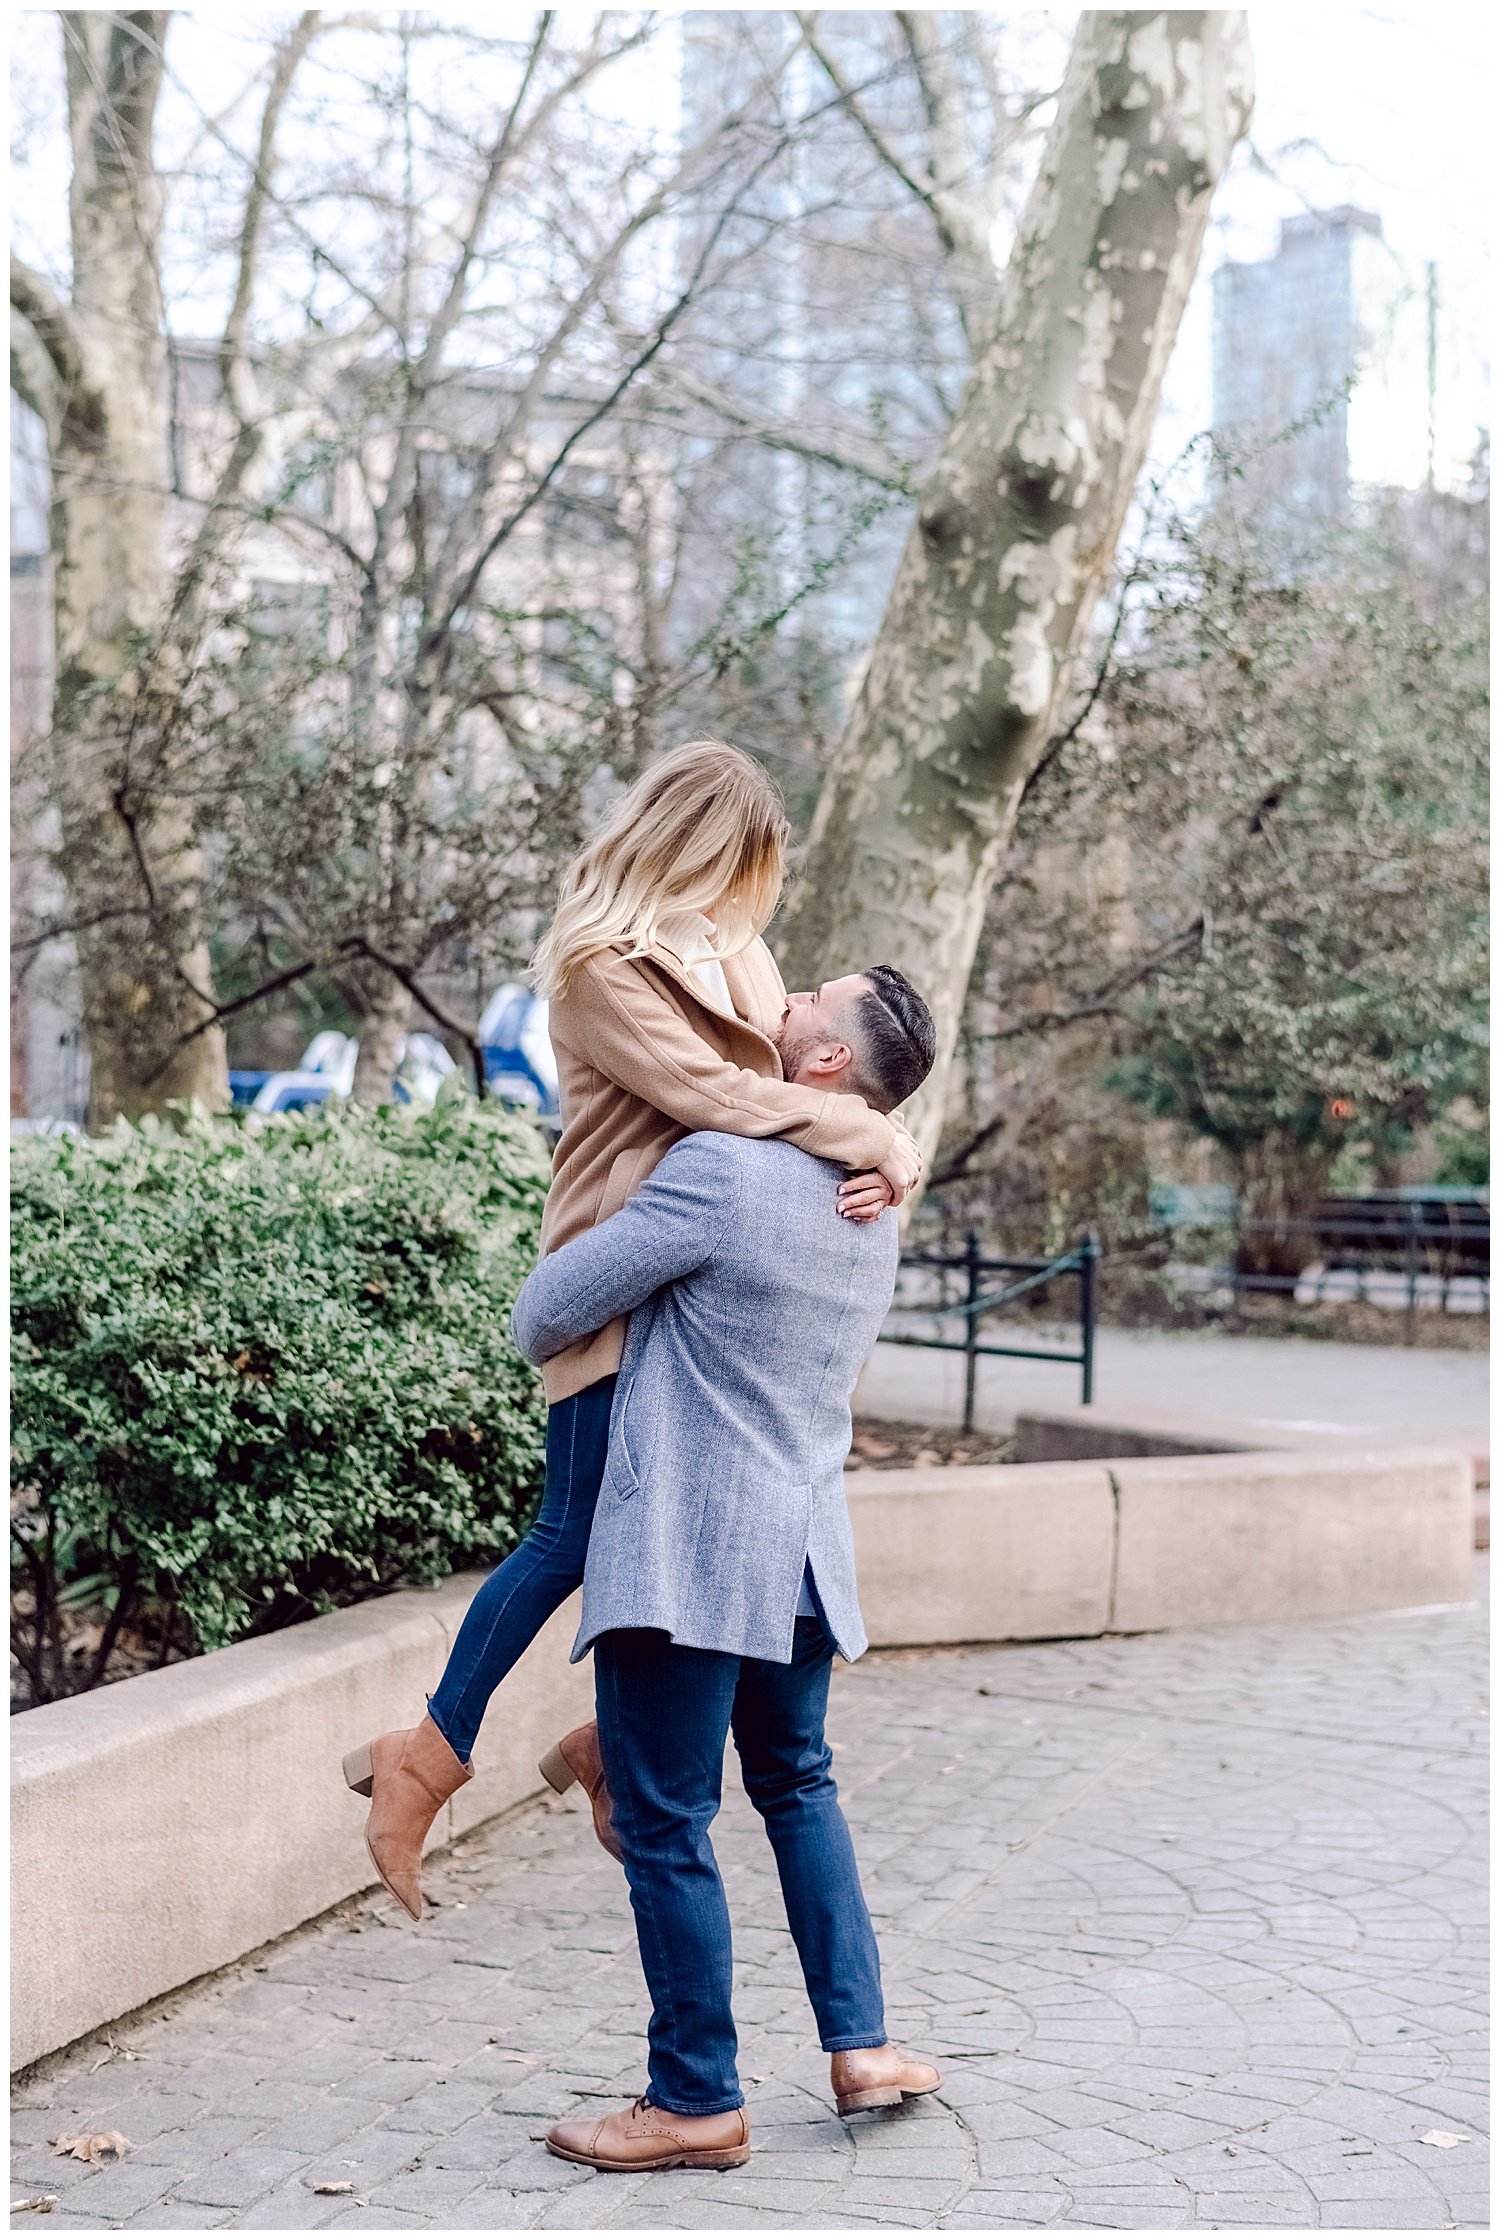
1193 1922
1417 1395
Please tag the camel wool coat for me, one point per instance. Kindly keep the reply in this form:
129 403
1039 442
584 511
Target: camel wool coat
644 1057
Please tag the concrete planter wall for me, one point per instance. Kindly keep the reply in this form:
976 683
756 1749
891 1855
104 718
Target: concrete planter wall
166 1826
169 1824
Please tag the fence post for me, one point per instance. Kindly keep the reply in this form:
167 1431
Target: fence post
971 1327
1412 1210
1087 1257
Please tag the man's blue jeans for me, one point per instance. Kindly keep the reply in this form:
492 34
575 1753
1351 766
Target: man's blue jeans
519 1597
664 1712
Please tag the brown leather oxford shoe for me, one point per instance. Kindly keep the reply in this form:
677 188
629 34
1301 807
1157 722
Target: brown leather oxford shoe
879 2077
645 2138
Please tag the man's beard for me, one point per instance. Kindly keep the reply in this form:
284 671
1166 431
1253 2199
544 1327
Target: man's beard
792 1048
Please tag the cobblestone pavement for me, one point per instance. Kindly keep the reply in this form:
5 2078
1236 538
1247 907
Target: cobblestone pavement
1193 1922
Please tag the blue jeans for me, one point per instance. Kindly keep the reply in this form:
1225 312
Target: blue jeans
519 1596
664 1712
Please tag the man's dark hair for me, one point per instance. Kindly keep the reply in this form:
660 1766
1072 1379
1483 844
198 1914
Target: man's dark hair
897 1039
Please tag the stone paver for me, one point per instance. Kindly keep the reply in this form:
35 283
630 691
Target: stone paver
1193 1921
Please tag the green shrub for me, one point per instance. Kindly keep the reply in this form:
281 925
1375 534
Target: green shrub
1463 1156
260 1374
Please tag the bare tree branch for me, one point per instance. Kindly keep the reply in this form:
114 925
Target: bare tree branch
466 1034
803 443
850 100
235 367
58 338
1102 1003
222 1011
469 581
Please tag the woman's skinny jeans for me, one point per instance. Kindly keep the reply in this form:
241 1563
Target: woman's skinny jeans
519 1596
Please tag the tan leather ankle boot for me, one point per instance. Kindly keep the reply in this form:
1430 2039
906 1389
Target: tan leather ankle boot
879 2077
577 1758
408 1776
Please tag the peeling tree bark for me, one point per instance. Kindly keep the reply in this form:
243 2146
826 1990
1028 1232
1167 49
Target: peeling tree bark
125 616
382 1029
95 367
1016 529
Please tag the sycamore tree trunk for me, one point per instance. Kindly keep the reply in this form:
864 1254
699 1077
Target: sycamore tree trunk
94 368
1018 525
382 1030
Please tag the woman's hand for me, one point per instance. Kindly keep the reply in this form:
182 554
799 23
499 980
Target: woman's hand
864 1197
902 1165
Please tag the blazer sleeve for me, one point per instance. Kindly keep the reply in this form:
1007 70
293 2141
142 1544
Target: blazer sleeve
642 1043
671 1226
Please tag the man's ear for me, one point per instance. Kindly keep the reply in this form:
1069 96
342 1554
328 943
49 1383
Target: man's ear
830 1061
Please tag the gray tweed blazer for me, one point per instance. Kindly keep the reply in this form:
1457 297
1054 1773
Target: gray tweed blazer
752 1307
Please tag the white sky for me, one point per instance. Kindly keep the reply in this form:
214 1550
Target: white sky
1393 109
1389 109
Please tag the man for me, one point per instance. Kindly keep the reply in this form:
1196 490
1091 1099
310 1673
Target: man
720 1574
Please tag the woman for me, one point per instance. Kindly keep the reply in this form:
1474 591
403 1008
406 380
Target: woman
663 1003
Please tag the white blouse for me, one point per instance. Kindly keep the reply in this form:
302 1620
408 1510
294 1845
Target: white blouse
690 939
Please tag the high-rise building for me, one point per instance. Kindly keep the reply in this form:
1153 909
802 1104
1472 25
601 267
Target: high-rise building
1320 364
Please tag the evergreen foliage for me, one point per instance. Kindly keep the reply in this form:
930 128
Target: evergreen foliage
260 1373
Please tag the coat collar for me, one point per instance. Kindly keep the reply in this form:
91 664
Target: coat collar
755 987
739 976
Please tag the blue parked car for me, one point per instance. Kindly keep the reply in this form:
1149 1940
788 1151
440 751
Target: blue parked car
327 1070
518 1063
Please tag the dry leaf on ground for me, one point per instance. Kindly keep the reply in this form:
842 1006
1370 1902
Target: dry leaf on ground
1446 2138
335 2185
92 2146
42 2203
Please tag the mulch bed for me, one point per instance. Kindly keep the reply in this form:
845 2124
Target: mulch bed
879 1445
159 1637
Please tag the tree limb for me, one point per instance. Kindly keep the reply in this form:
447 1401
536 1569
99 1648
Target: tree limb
457 596
822 451
58 338
33 376
467 1035
62 929
850 101
222 1011
426 372
235 370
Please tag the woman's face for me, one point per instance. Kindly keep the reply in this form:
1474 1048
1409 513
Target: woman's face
756 887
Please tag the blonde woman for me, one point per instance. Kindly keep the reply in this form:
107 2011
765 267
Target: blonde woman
663 1003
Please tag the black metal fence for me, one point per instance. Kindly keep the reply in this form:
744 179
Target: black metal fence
1406 1252
973 1303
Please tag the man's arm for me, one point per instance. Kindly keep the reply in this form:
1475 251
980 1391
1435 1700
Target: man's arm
671 1226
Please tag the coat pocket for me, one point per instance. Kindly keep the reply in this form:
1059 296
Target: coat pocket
623 1475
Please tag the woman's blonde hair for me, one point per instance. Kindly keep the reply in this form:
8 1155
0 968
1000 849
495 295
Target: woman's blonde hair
704 830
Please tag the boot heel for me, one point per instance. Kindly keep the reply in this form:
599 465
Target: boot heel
877 2096
358 1770
556 1771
